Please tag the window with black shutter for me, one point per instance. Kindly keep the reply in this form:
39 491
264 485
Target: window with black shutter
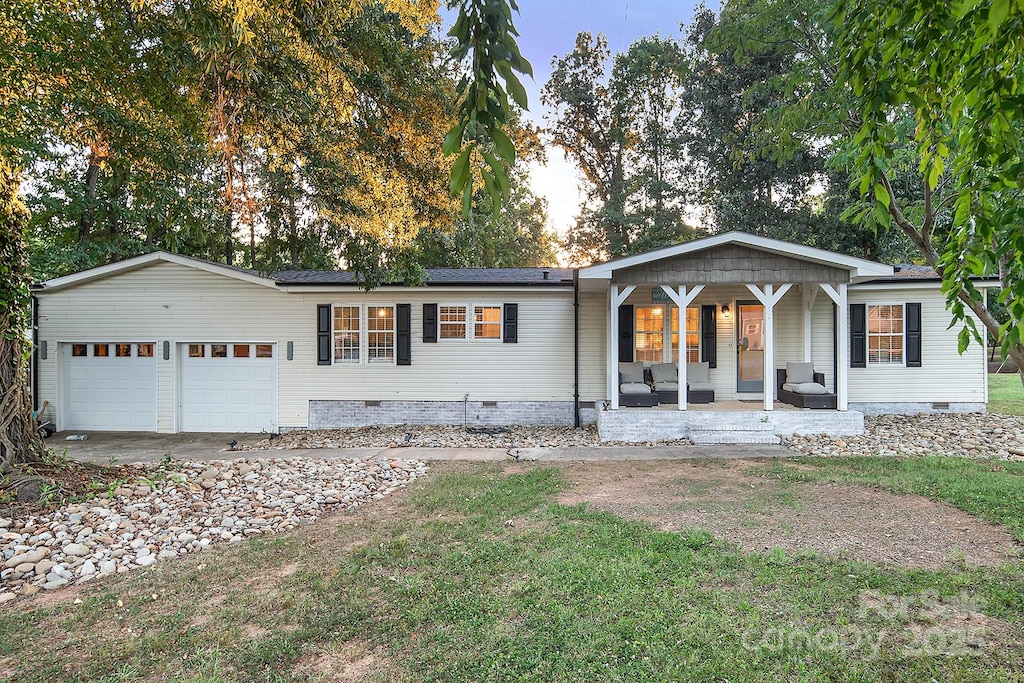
858 336
510 323
913 327
323 334
709 335
626 333
403 334
430 323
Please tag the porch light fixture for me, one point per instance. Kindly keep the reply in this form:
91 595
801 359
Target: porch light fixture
725 311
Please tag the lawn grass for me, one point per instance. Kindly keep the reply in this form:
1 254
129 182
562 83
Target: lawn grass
1005 394
478 575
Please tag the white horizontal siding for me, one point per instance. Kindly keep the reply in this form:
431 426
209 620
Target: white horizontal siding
179 304
944 375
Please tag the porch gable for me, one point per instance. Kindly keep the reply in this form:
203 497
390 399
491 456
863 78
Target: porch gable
729 264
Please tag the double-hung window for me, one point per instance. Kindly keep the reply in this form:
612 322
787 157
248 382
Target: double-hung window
468 321
452 322
885 334
364 334
380 334
347 333
655 324
487 322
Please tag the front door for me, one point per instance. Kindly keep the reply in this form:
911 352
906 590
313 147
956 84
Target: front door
749 347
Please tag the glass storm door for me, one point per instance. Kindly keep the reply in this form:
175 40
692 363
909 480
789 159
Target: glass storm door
749 347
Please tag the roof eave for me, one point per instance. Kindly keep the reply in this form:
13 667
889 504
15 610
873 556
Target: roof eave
137 262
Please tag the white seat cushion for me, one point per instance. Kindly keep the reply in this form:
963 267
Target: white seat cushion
806 388
698 372
799 373
700 386
634 388
632 373
664 372
666 386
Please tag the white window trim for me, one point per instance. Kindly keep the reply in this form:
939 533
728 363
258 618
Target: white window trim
867 336
470 323
364 336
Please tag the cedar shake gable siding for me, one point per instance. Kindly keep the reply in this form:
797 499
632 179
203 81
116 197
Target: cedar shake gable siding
730 264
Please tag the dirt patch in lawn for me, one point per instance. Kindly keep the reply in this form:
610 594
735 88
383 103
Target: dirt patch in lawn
760 512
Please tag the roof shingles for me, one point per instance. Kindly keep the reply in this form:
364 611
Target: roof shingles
439 276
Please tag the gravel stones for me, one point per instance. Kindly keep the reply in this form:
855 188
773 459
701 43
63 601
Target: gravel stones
432 436
162 515
964 435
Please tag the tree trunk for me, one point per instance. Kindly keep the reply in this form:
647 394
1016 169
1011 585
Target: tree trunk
88 218
293 232
229 238
19 437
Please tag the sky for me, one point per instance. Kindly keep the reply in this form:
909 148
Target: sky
548 28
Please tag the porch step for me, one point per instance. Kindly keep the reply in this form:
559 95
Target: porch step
715 436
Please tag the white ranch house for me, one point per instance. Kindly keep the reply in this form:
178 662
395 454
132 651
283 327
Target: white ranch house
165 343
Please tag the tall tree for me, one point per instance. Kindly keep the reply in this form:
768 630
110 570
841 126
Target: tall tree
742 67
619 126
955 69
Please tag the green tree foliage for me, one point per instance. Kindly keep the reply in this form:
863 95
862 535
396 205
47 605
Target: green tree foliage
747 68
276 127
484 32
620 127
955 69
514 238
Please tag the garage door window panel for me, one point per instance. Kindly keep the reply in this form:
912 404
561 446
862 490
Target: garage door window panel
144 350
196 350
241 351
264 350
79 350
218 350
100 350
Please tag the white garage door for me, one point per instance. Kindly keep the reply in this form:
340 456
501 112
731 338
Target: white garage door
109 386
228 387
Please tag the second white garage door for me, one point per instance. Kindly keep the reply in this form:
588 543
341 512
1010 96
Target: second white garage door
228 387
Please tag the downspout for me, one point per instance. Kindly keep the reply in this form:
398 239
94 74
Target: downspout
35 353
576 344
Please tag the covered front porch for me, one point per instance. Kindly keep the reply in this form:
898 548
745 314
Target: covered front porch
725 321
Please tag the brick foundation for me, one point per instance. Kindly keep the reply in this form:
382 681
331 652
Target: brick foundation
337 414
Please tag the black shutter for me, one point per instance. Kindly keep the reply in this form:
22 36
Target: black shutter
430 322
708 335
858 336
323 334
913 328
510 319
626 333
403 334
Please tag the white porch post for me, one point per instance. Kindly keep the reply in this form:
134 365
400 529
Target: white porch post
768 299
615 299
810 293
839 297
613 347
682 300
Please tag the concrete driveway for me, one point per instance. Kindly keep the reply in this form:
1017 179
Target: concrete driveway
128 447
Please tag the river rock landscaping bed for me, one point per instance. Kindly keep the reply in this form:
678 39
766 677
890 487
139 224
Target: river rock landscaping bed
170 511
964 435
432 436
